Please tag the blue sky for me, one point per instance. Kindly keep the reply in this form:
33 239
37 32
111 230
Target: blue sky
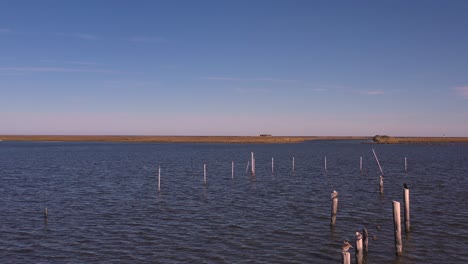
234 67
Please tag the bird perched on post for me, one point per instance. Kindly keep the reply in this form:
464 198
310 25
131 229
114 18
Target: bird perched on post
405 186
346 246
358 236
334 194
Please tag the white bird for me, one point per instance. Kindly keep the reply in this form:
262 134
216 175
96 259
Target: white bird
358 236
334 194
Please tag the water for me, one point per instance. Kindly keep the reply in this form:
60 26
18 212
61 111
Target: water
104 206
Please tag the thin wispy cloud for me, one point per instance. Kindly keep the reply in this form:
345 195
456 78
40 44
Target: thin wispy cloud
5 30
222 78
320 89
372 92
52 69
79 36
143 39
461 91
253 91
86 63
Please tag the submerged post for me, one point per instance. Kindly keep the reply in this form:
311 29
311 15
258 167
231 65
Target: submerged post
45 213
204 173
397 227
407 208
232 169
159 178
365 238
378 163
334 209
359 252
381 184
360 163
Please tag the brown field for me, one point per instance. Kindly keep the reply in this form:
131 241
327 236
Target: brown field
414 140
176 139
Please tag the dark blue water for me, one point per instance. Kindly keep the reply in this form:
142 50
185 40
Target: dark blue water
104 206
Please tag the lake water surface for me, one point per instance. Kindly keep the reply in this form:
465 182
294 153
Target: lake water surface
104 207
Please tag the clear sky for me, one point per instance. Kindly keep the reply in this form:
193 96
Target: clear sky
234 67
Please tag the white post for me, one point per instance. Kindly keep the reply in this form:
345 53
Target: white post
359 251
159 178
247 168
406 165
232 169
204 172
360 163
397 228
272 165
378 163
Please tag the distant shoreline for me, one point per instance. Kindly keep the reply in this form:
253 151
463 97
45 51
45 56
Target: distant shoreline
178 139
418 140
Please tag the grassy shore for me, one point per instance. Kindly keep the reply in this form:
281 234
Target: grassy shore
417 140
176 139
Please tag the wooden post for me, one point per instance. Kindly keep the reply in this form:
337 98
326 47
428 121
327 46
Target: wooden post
346 257
272 165
247 168
365 237
406 165
407 208
45 213
325 162
204 172
334 210
293 164
232 169
159 178
378 163
397 227
381 184
359 252
253 164
360 163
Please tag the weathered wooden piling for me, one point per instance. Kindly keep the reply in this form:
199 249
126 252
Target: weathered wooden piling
359 251
293 165
407 208
232 170
334 209
406 165
325 162
159 178
345 257
397 228
204 173
360 163
365 238
378 163
253 164
381 186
